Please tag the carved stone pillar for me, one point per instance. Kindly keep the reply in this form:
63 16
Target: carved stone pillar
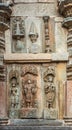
65 8
5 12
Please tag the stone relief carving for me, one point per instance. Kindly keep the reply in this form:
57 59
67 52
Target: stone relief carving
47 42
14 94
49 86
18 33
50 111
29 91
33 35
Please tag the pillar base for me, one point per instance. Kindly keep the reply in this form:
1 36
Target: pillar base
68 121
3 121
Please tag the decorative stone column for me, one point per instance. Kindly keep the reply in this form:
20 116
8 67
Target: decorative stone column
5 13
47 40
65 9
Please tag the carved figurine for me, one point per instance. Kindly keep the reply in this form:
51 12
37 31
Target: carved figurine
49 87
33 35
14 93
29 92
18 33
29 86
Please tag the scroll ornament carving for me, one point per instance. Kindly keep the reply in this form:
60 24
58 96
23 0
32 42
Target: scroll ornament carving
49 86
29 69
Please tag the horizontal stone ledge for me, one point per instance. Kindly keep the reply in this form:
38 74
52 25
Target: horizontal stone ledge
36 122
40 58
34 128
33 1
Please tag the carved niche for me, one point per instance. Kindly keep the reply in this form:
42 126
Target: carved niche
14 94
29 103
50 93
18 34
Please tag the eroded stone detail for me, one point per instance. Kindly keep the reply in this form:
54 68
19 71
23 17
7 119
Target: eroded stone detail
14 94
29 92
18 33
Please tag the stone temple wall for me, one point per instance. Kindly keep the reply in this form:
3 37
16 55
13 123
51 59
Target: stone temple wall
36 64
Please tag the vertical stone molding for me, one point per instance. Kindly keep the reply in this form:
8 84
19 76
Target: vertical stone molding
5 12
47 40
65 9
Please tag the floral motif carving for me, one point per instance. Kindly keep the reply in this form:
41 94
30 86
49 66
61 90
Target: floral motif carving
31 69
49 86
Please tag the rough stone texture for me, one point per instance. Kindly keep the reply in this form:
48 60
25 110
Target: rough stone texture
25 1
34 10
60 33
69 98
2 100
32 1
36 128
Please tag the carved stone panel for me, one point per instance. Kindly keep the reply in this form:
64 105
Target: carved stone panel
30 89
30 35
24 91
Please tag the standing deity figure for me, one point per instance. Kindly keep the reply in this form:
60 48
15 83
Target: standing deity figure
14 93
49 86
29 92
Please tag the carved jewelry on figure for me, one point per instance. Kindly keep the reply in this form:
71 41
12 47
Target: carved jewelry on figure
49 86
